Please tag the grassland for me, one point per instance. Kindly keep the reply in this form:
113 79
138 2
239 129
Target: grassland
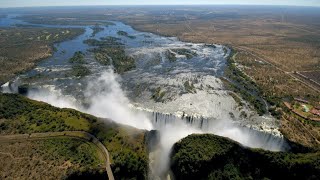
213 157
126 145
21 48
55 158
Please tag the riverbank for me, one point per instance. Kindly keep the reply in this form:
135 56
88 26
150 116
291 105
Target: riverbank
24 47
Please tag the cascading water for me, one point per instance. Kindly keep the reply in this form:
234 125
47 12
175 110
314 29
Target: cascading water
244 135
173 128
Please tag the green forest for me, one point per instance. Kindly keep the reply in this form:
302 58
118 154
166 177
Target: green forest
209 156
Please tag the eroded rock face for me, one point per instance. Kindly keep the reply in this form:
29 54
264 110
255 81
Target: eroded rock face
152 139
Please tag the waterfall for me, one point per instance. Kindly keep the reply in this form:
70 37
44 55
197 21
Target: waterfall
172 128
244 135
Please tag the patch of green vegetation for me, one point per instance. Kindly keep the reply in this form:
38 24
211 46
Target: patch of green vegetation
78 58
120 60
127 149
170 56
126 145
112 52
158 95
75 151
55 49
107 41
51 157
242 84
111 39
225 50
80 70
89 174
186 52
210 45
123 33
212 157
189 87
96 29
236 98
26 116
102 58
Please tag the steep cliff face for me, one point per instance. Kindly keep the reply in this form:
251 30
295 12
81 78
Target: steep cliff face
213 157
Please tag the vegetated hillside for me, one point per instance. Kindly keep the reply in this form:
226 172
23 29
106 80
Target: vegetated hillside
126 145
21 47
212 157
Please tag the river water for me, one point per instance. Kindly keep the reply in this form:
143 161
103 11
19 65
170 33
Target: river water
177 97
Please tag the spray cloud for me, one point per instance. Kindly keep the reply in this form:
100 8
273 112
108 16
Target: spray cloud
106 99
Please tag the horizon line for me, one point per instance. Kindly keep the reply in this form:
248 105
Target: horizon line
93 5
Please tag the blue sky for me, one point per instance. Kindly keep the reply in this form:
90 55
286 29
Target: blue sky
25 3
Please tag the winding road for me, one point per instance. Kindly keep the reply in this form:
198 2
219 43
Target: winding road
73 134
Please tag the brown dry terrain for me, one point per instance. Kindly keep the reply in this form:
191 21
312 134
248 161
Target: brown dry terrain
313 76
21 48
52 158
